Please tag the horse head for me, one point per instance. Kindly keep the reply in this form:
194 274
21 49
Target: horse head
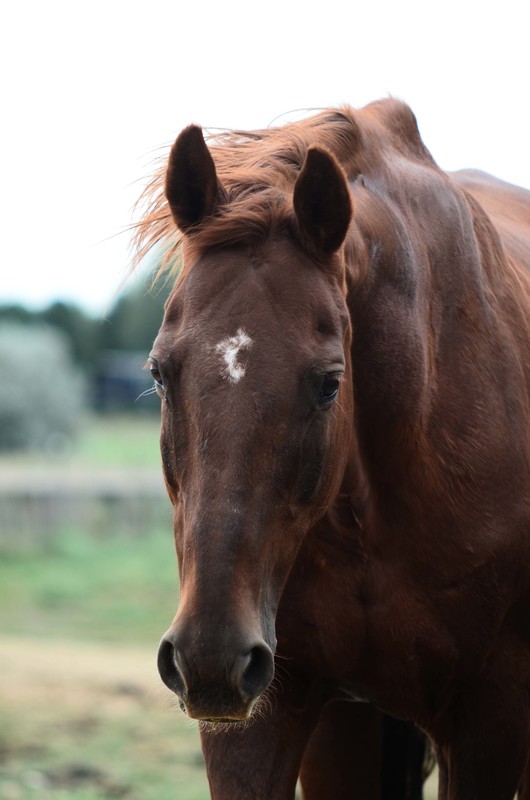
253 368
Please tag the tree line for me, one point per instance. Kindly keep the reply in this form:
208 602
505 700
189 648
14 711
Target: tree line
58 363
130 325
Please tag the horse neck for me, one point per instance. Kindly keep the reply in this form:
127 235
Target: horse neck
413 304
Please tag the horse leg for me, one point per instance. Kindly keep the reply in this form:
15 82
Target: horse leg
343 757
486 744
258 760
355 751
404 757
523 792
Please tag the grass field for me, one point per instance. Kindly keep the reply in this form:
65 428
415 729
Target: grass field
127 441
80 587
84 714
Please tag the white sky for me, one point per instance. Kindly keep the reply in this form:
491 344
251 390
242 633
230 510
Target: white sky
91 90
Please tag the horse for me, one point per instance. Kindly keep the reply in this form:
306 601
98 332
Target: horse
344 374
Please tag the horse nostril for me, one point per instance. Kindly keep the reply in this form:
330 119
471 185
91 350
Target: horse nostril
256 670
167 667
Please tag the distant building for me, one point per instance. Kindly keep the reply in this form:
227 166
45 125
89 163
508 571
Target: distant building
120 383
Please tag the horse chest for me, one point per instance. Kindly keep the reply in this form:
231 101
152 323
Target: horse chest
382 638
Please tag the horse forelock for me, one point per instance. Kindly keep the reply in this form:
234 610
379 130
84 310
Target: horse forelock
258 169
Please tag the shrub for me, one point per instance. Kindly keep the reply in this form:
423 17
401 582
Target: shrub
41 392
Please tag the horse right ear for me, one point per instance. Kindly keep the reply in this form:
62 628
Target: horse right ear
192 188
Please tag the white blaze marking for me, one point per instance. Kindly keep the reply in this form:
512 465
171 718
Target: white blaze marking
230 348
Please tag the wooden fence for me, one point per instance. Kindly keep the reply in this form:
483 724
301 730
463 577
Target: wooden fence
40 503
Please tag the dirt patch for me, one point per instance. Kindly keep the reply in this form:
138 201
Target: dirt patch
79 673
74 778
92 721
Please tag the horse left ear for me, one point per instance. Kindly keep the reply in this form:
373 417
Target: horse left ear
192 188
322 202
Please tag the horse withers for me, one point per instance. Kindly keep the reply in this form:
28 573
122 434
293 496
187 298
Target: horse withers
344 369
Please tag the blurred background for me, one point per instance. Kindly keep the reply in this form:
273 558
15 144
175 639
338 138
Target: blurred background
92 95
88 578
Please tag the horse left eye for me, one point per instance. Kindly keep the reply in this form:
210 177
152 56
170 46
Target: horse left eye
329 389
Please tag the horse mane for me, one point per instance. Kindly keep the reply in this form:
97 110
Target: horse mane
258 169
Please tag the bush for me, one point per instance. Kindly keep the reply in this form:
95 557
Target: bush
41 392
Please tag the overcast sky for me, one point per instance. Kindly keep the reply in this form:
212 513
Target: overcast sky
91 90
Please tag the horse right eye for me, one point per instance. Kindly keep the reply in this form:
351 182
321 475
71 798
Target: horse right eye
156 376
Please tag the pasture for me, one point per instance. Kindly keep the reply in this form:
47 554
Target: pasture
84 713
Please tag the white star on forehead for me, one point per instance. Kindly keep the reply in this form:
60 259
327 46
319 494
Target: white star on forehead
229 349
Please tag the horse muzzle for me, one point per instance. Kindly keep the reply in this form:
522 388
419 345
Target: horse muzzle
221 684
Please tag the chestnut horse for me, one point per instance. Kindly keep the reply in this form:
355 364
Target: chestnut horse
344 368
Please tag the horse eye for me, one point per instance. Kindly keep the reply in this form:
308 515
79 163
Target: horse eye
156 376
329 388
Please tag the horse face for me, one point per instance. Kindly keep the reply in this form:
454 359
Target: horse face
251 363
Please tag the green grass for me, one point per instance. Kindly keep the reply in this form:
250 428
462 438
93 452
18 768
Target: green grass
118 588
103 442
119 441
92 583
